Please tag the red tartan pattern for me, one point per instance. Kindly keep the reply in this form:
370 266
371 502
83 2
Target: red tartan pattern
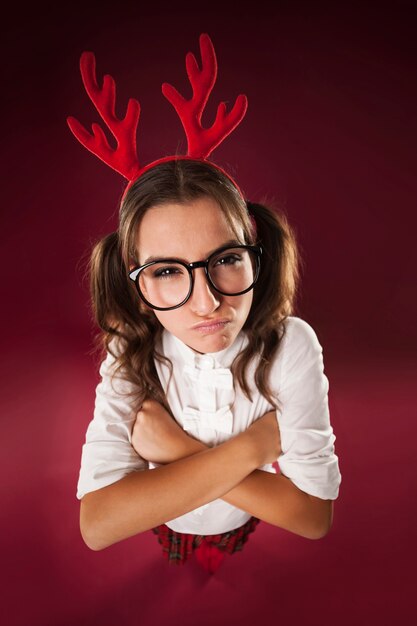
179 547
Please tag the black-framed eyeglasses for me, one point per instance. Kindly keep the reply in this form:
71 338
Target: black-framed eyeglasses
166 284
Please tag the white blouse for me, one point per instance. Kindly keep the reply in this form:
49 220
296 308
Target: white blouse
203 401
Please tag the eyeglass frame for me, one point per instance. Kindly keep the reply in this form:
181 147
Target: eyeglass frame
135 273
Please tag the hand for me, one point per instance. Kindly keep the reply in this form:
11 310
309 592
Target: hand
157 437
266 436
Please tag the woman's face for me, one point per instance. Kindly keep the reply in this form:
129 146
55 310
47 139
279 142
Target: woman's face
208 321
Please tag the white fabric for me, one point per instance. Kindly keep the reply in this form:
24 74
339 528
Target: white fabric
203 401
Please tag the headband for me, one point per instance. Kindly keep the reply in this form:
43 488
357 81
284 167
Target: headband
201 141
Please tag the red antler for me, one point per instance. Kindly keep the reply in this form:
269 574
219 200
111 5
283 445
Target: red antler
124 158
202 141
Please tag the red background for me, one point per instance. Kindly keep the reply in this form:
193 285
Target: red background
330 136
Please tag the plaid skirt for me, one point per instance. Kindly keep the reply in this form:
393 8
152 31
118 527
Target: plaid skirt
179 547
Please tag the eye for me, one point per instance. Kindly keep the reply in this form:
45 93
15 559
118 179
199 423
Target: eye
167 272
228 259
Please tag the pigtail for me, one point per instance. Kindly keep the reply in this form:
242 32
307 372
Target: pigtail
112 302
274 295
278 280
129 332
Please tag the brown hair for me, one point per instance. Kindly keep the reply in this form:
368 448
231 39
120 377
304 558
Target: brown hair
131 332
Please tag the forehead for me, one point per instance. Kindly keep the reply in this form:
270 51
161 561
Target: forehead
190 230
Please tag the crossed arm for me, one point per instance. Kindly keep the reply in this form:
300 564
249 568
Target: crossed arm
191 475
270 497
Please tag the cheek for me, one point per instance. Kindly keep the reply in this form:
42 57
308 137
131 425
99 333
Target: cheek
241 305
168 319
250 298
246 304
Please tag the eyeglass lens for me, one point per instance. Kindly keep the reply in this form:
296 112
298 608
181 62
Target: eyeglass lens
166 284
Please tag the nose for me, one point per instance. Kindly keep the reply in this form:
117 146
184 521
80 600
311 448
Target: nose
203 300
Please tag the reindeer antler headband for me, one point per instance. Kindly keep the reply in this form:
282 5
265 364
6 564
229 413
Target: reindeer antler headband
201 141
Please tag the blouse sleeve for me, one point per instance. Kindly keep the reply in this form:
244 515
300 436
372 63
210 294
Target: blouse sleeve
308 456
107 454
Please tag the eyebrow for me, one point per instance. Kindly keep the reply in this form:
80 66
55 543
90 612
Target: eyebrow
231 242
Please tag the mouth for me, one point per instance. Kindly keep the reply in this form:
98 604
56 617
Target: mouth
211 326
